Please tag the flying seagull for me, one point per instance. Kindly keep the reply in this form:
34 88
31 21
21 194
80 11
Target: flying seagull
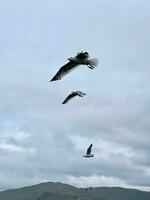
72 95
81 58
88 153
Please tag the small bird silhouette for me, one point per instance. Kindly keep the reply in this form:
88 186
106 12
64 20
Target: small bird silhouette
72 95
88 153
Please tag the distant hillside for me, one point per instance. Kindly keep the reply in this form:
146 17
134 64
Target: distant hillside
59 191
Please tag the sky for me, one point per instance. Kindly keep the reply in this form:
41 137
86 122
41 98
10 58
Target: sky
42 140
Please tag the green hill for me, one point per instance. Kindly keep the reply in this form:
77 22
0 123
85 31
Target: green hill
59 191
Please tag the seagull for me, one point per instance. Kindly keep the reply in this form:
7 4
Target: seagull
88 153
82 58
72 95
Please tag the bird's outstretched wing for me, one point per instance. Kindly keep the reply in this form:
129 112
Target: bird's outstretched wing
69 97
89 149
64 70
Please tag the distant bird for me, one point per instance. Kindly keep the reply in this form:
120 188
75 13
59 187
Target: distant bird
72 95
88 153
88 188
81 58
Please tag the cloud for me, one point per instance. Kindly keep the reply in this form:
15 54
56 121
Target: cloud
95 181
101 181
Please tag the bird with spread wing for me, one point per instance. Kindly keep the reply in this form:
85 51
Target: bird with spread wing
72 95
81 58
88 153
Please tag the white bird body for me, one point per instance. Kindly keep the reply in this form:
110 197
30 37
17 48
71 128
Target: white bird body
79 93
85 61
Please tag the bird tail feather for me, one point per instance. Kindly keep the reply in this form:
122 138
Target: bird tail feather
93 61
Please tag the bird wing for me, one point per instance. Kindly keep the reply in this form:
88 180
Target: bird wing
69 97
89 149
64 70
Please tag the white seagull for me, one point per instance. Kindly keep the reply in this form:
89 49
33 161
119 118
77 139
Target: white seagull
88 153
72 95
81 58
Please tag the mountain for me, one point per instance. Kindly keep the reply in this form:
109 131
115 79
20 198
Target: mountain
59 191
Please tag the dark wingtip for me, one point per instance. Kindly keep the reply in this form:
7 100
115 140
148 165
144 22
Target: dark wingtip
55 78
52 80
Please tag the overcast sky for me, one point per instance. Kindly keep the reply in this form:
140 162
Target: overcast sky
43 140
